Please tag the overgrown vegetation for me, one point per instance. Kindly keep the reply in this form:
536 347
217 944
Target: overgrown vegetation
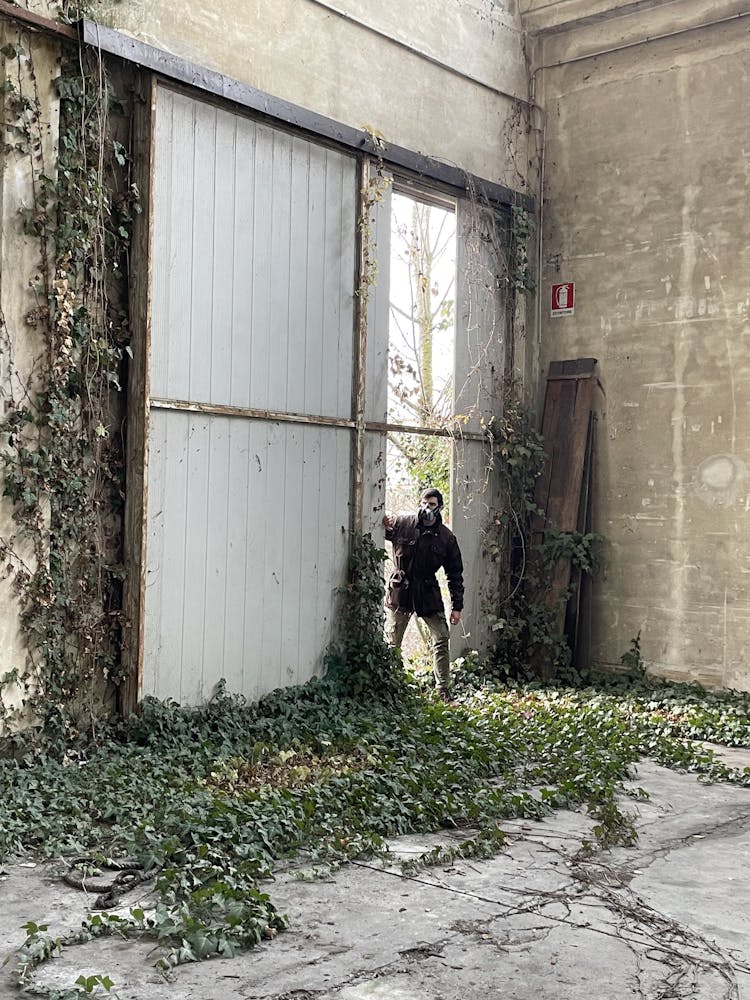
522 610
521 271
209 802
62 455
360 661
212 800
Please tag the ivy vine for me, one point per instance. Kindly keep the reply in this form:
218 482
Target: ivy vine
211 800
522 228
517 601
62 448
359 659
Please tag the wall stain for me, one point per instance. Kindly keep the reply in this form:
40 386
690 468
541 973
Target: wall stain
720 479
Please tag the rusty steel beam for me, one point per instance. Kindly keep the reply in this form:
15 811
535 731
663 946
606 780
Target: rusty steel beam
249 413
38 23
455 433
359 375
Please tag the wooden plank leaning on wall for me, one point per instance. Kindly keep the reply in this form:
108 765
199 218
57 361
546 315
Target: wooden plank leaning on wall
564 490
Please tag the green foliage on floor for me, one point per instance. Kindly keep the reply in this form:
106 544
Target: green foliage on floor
214 799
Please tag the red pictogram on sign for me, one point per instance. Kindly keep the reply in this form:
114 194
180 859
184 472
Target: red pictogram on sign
563 299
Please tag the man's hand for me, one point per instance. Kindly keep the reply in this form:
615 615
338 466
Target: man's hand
455 617
388 520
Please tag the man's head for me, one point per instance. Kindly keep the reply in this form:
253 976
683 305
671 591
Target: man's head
430 505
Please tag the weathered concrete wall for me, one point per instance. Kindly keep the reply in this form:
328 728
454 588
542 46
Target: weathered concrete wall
430 75
646 210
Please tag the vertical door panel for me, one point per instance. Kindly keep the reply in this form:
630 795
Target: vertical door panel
376 360
479 366
480 319
246 551
253 293
244 247
257 305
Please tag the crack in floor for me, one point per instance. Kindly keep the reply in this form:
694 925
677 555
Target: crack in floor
649 934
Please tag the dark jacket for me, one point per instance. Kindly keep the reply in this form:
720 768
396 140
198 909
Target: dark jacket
418 553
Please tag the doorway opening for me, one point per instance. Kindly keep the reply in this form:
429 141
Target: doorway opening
421 361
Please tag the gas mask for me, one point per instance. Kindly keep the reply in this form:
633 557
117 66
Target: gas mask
427 515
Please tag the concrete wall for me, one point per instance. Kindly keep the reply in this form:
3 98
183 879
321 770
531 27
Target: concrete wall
430 75
645 208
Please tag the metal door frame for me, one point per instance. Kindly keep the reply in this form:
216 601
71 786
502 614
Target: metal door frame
415 170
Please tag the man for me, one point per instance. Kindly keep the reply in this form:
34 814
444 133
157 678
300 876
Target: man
421 545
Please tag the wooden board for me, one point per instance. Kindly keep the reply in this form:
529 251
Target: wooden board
564 490
565 428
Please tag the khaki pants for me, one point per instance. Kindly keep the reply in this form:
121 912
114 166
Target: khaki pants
395 627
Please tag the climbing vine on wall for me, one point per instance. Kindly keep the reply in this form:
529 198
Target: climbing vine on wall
62 449
523 617
375 183
522 229
518 606
360 661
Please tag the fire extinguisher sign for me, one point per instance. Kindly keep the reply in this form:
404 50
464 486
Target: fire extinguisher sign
563 299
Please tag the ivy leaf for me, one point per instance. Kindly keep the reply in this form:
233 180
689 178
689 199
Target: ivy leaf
12 50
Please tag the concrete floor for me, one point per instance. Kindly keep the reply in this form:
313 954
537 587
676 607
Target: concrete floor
669 918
